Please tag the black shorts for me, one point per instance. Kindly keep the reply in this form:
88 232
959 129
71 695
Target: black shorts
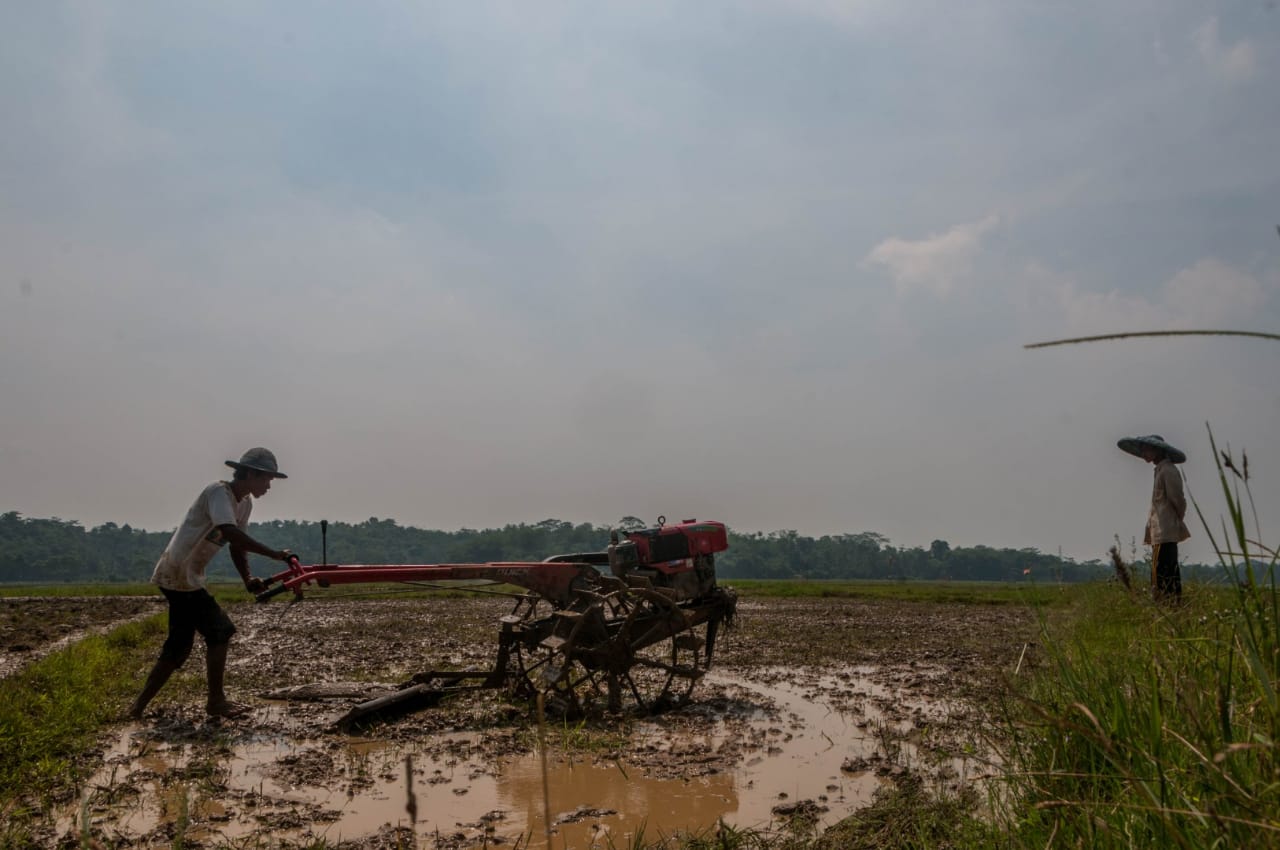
192 611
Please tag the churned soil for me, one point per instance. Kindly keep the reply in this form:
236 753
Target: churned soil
916 654
33 626
937 651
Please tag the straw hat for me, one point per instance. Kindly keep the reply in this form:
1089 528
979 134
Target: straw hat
1134 446
260 460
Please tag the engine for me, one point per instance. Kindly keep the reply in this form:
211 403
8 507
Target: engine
681 556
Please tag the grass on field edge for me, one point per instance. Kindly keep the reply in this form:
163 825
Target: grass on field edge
1157 724
53 710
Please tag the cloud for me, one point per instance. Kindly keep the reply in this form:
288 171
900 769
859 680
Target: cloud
1055 304
1212 292
1231 63
934 264
494 266
1209 294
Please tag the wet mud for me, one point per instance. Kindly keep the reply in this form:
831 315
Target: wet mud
812 704
32 627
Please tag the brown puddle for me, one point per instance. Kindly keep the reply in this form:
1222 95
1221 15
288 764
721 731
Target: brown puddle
790 737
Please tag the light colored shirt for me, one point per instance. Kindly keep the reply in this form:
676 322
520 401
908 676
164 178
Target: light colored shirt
1168 507
198 539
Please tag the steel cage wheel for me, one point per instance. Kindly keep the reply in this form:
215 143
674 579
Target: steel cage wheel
622 645
662 651
552 657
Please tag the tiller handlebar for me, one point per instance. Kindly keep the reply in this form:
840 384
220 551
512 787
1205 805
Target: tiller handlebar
554 581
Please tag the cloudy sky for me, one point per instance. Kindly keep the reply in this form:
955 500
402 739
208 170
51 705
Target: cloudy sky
771 262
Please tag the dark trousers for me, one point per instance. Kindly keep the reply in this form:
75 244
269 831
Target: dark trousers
1166 577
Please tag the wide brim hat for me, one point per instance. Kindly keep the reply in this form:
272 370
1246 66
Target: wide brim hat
1134 446
259 460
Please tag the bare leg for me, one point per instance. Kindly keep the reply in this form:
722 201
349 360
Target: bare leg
159 674
216 666
218 704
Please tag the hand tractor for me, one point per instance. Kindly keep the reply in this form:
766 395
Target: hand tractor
636 622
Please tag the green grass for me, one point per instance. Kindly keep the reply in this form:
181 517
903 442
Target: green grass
1154 725
1148 727
60 590
52 710
909 815
964 592
225 593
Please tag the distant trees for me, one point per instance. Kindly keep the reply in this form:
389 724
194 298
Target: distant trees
786 554
54 550
61 550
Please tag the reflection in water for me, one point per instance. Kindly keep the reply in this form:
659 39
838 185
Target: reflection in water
791 753
614 800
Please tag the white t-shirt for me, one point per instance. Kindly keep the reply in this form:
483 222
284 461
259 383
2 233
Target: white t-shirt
198 539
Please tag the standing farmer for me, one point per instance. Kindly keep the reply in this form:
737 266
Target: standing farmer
1165 526
218 516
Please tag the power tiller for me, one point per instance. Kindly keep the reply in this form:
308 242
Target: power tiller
636 622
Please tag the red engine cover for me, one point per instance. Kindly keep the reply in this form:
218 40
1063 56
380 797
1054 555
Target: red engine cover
666 545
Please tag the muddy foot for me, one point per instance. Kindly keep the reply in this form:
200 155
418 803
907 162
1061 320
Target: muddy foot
227 709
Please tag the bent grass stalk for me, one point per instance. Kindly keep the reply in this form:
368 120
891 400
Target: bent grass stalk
1131 334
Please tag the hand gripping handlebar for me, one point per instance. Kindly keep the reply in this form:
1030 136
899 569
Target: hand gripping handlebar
295 568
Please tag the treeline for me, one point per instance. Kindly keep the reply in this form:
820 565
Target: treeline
789 555
57 550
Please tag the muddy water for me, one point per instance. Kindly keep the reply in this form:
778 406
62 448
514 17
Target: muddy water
776 740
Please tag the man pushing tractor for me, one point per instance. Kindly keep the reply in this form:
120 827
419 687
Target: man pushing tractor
635 621
218 517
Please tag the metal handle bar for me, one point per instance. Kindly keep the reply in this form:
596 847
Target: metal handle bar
553 581
267 594
295 568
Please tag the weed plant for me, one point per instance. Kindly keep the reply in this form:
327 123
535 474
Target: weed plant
1151 724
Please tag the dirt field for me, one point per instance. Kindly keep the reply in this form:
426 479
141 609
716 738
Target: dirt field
896 673
32 626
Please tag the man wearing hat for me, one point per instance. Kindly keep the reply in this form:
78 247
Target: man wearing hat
1165 526
219 515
